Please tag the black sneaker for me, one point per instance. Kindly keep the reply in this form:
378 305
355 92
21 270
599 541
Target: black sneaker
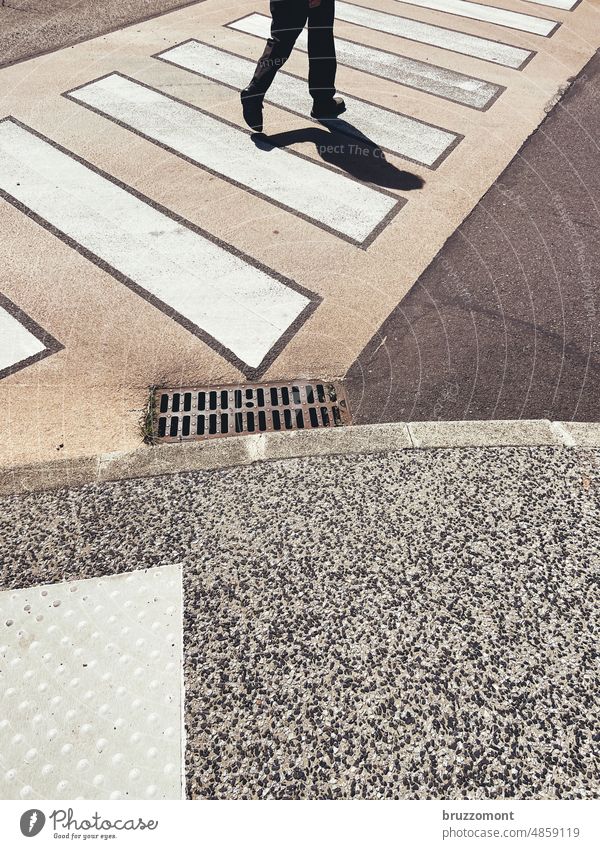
328 109
252 107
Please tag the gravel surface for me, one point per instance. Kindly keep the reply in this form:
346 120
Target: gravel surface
412 625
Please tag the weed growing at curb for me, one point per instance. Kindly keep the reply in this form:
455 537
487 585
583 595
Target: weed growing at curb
147 420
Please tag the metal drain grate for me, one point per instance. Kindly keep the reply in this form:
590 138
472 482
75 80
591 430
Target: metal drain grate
208 412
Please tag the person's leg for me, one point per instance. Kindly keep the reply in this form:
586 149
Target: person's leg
289 18
321 51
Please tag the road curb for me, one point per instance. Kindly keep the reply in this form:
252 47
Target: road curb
167 459
486 434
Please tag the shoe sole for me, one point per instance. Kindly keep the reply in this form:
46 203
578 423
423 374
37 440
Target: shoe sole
328 117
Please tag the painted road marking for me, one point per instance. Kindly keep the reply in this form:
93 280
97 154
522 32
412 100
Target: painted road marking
567 5
322 195
489 14
401 134
22 341
202 285
16 342
448 39
441 82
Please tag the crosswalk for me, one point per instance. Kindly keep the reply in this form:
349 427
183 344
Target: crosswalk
324 196
441 82
489 14
566 5
17 343
401 134
241 307
22 342
449 39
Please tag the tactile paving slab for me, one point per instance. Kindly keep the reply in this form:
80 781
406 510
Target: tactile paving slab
90 675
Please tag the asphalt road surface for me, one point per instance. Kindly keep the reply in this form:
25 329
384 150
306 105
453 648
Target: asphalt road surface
505 322
31 27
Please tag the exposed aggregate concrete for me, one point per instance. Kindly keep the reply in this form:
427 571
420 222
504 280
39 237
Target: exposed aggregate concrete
411 625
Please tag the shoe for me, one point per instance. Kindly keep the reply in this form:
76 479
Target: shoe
252 107
328 109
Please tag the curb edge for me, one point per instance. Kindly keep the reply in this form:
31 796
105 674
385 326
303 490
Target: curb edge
245 450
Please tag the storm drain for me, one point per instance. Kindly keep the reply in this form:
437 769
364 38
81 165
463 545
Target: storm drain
208 412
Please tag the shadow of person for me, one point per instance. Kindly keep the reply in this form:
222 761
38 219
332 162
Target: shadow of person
356 154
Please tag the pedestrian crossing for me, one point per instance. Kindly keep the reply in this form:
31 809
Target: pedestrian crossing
489 14
567 5
243 308
22 342
205 287
400 134
449 39
17 344
326 197
440 82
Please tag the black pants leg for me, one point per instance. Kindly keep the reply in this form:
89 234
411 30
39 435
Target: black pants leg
289 19
321 51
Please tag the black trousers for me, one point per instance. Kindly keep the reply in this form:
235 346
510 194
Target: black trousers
289 19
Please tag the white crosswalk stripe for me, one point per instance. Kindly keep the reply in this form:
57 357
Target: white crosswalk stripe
441 82
17 343
324 196
242 307
401 134
458 42
489 14
566 5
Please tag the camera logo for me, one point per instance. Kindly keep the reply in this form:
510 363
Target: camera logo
32 822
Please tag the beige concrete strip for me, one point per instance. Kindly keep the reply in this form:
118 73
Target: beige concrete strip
171 459
57 474
583 434
243 450
483 434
